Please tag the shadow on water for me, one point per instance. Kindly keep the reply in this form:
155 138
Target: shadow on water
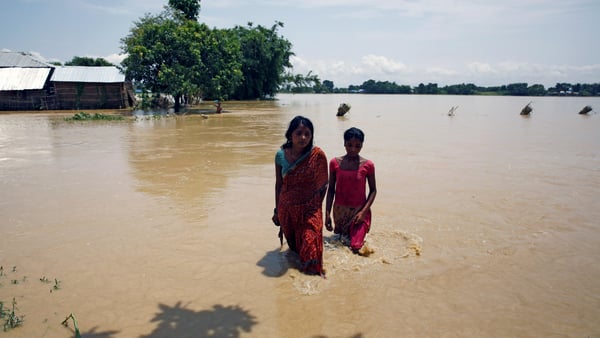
93 334
274 264
220 321
358 335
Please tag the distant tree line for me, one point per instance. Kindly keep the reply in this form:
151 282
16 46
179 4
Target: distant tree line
312 84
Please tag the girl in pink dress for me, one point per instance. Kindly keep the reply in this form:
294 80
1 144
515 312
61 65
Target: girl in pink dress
348 177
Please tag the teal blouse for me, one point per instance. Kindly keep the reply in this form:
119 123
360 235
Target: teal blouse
285 165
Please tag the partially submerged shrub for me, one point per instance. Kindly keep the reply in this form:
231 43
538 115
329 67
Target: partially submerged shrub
83 116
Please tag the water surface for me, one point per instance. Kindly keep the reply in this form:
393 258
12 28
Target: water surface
485 223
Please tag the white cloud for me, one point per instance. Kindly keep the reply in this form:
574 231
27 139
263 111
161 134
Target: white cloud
115 59
481 68
378 64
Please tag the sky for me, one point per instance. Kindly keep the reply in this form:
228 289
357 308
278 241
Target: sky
409 42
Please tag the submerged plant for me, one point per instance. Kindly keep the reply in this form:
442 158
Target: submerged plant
66 323
83 116
10 318
56 285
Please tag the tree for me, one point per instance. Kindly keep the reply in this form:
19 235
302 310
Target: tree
328 86
384 87
536 90
222 71
88 62
189 8
265 56
430 88
171 54
517 89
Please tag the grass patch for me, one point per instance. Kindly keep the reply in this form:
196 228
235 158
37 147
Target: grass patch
83 116
10 317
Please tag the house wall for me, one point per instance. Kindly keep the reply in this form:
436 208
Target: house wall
26 100
71 95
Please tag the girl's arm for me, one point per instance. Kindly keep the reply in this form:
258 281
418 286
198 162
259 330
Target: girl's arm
360 215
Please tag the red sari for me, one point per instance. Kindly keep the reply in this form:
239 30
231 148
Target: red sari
300 209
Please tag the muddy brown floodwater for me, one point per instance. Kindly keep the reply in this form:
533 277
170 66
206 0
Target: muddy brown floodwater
486 223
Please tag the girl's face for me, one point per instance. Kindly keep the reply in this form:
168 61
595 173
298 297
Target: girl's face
353 147
301 137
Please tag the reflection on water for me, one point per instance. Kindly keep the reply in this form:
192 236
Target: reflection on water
157 227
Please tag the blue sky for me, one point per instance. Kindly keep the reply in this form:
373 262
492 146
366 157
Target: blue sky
348 41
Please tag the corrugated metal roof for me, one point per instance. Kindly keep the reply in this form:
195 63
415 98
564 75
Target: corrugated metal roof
87 74
20 59
23 78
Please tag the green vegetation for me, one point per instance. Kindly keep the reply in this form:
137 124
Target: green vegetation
172 53
88 62
66 323
265 56
311 84
83 116
10 317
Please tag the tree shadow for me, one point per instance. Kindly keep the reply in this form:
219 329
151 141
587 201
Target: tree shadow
220 321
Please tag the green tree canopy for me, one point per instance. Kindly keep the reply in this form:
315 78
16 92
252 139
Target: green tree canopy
265 56
88 62
189 8
171 54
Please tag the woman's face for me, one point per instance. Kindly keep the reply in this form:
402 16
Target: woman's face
353 147
301 137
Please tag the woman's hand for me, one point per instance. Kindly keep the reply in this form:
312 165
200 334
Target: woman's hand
275 219
328 225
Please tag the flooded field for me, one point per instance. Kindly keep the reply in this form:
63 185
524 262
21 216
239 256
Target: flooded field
486 223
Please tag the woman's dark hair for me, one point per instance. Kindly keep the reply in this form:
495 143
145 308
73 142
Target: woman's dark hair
354 133
294 124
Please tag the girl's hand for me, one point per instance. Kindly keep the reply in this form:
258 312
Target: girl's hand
275 219
328 225
358 218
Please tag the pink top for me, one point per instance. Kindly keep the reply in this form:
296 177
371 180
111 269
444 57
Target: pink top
351 185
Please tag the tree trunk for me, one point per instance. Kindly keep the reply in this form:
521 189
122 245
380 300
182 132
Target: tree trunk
177 106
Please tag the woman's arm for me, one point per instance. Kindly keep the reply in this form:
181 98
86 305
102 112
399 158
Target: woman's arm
329 201
278 183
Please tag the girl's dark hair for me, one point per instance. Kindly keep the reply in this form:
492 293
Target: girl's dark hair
354 133
294 124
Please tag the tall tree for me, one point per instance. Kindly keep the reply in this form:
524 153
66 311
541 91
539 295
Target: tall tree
171 54
266 55
189 8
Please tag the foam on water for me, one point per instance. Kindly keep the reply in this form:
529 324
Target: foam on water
381 247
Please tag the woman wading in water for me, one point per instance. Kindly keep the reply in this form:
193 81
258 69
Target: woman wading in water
300 187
